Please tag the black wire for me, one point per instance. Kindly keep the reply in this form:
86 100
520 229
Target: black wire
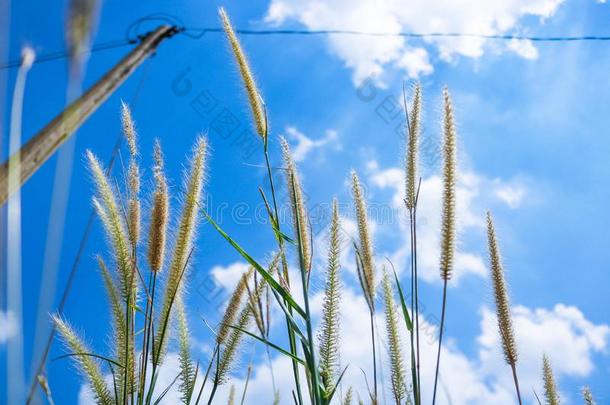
65 54
203 31
134 34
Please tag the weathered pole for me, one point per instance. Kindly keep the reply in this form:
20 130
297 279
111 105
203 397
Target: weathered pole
42 145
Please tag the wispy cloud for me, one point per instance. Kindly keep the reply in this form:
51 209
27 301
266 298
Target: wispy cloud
370 56
302 145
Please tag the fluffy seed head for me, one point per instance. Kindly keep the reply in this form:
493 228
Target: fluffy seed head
366 245
399 387
550 388
449 181
159 214
235 337
107 209
297 204
254 97
588 396
505 324
232 308
329 337
87 365
348 397
412 148
129 129
184 237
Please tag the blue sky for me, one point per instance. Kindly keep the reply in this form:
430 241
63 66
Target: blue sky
532 126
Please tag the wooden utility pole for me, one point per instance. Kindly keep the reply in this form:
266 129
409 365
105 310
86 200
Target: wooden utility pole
42 145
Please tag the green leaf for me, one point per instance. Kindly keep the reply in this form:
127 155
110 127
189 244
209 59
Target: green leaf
268 278
268 343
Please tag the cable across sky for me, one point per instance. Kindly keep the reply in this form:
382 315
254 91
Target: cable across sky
132 36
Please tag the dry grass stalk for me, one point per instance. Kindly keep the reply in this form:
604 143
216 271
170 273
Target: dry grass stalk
108 211
588 396
254 97
366 244
505 324
329 337
399 387
412 148
133 176
232 308
448 230
159 214
551 394
86 364
184 238
297 204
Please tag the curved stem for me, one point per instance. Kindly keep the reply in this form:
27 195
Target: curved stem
440 341
514 368
374 357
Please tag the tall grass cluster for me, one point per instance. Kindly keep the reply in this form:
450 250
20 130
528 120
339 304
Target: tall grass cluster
144 276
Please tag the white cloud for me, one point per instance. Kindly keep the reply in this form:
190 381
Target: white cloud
8 326
371 55
303 145
562 332
475 192
512 193
228 276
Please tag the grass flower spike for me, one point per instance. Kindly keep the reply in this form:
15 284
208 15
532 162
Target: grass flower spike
297 204
550 388
232 308
448 215
254 97
505 324
414 129
184 239
159 215
399 388
366 244
449 180
329 337
88 365
133 176
108 210
588 396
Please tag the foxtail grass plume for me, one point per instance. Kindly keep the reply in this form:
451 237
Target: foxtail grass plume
449 180
233 341
133 176
399 387
108 211
187 371
348 397
550 388
184 239
297 204
159 214
87 365
116 306
414 129
588 396
505 324
329 337
232 308
366 244
254 97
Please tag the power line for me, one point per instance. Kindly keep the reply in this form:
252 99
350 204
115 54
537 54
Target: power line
133 36
64 54
203 31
